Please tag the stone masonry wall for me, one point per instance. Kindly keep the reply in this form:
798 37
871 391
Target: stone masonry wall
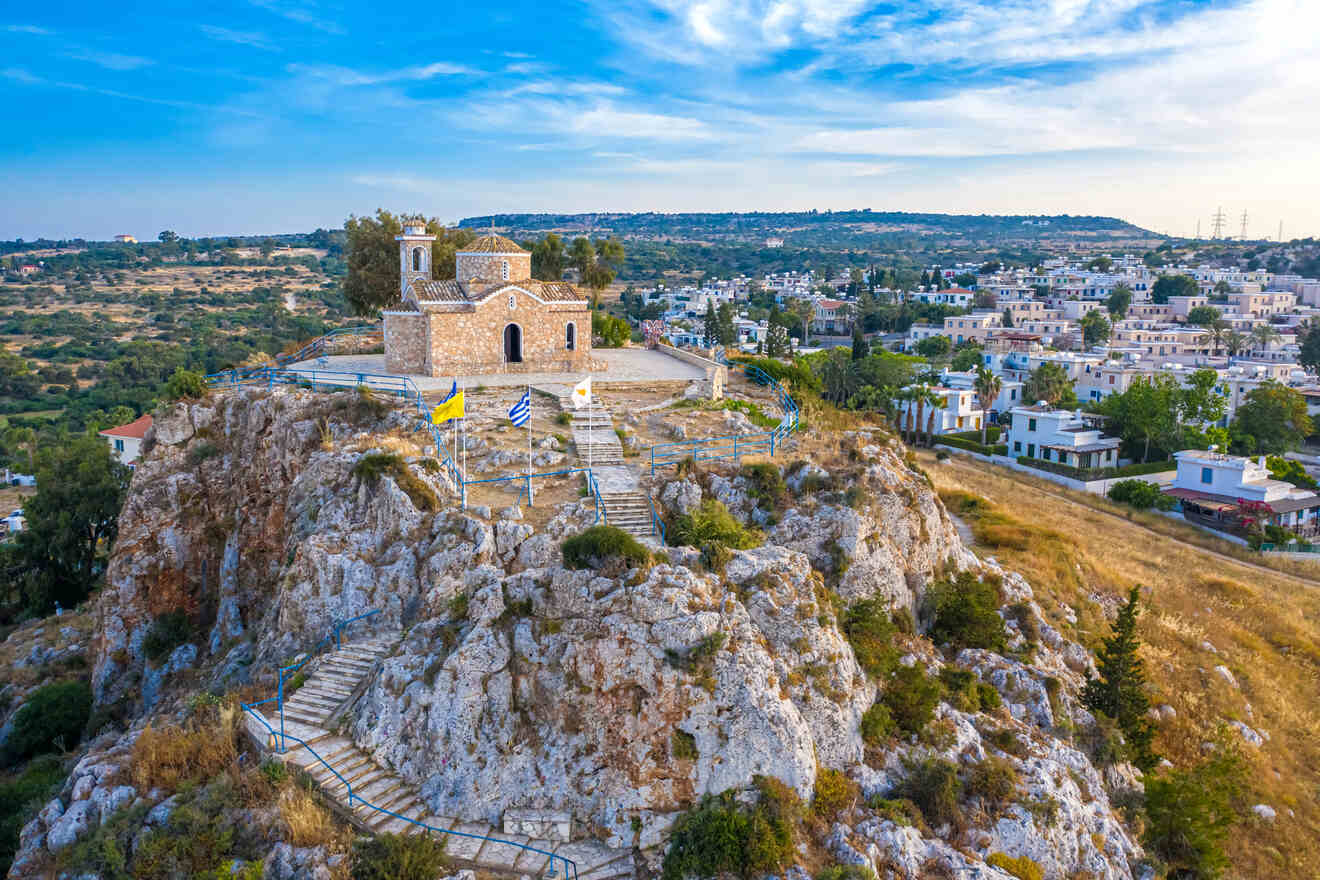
471 340
489 267
405 343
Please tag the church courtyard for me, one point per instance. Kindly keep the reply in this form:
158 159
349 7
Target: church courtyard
625 365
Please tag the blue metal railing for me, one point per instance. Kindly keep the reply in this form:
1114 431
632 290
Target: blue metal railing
737 446
569 866
335 633
311 349
657 525
602 515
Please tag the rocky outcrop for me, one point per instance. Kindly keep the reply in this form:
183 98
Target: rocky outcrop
623 699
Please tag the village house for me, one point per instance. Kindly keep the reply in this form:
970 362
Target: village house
493 317
1059 435
957 411
1220 491
832 317
126 440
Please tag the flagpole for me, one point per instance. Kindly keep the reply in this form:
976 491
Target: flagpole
531 497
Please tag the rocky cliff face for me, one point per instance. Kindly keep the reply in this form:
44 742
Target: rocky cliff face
623 699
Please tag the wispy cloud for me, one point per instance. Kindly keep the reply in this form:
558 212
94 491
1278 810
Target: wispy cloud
255 39
110 60
345 76
18 74
302 13
27 29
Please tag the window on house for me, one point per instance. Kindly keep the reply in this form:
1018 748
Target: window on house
504 270
1207 475
570 336
119 446
1031 424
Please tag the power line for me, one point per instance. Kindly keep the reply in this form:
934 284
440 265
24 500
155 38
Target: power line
1217 231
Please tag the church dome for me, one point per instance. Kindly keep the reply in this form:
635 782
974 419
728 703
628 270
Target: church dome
493 244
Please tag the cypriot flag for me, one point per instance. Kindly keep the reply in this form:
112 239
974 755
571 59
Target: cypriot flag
582 393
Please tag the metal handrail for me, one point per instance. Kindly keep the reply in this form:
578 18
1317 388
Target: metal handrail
657 525
335 633
602 515
570 866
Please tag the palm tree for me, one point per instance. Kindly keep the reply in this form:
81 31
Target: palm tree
935 402
1262 335
987 386
1214 335
921 394
904 399
1234 341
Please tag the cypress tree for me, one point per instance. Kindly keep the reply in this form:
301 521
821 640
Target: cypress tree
1120 691
710 333
860 348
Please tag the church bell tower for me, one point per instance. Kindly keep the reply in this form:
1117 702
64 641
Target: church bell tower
414 253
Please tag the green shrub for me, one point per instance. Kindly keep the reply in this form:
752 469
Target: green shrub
563 418
683 746
911 696
167 632
186 385
1189 813
398 857
960 689
1140 494
712 524
50 720
934 787
966 615
1006 740
994 781
1021 867
699 660
374 465
721 836
900 811
21 798
604 547
200 451
846 872
834 793
877 726
870 631
766 485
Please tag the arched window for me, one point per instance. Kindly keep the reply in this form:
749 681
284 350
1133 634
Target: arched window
570 336
417 259
504 270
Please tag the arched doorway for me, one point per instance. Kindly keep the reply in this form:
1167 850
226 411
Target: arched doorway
513 344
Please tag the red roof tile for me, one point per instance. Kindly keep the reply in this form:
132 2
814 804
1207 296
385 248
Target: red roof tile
136 428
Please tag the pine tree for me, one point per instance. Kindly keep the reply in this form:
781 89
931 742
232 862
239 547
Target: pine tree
1120 691
728 333
710 332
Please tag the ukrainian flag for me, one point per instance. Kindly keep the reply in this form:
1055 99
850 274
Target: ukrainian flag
450 409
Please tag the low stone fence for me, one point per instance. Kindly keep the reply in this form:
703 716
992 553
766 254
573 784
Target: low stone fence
717 375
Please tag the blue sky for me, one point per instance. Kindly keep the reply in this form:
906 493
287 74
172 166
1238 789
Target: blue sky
265 116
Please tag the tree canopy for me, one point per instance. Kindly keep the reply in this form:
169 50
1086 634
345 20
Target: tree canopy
1049 382
1119 301
71 522
372 258
1173 285
1272 420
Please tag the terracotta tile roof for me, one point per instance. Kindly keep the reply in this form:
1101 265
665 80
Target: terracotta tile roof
447 290
136 429
493 244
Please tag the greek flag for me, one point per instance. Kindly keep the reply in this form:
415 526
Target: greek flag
522 410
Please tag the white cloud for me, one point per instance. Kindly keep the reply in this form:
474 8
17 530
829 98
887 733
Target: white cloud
110 60
302 13
27 29
255 39
345 76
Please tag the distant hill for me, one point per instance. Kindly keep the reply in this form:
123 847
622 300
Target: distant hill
861 228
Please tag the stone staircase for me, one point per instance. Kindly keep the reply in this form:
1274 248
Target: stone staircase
630 511
390 802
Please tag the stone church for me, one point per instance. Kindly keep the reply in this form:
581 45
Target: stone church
492 318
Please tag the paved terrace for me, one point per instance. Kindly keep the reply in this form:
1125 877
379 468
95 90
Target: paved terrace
625 365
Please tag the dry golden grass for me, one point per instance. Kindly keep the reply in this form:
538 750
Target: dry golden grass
307 822
1264 626
167 757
